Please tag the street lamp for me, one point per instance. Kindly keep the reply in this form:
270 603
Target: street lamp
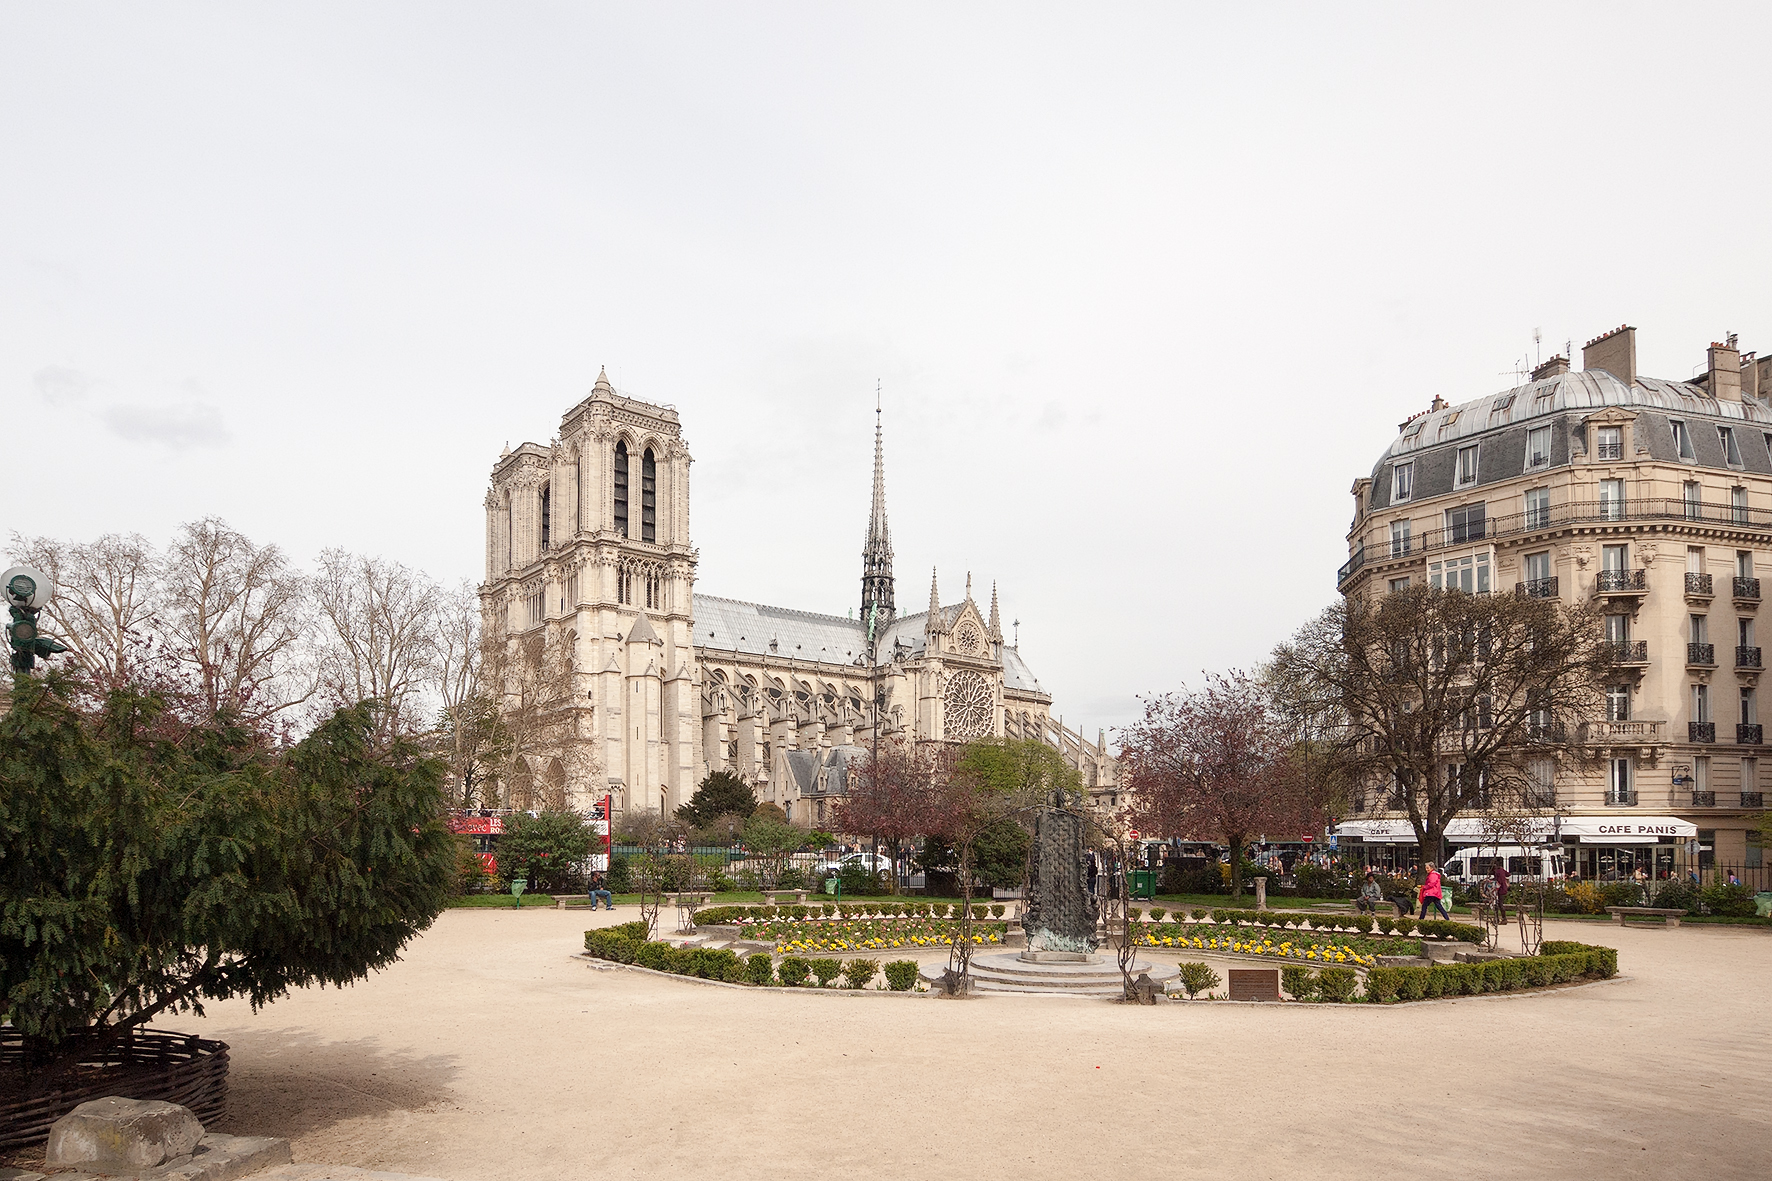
28 591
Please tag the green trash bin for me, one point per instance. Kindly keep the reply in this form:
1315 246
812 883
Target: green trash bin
1142 883
1763 905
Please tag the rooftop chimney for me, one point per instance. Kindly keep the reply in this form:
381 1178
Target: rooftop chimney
1551 368
1438 403
1725 371
1615 352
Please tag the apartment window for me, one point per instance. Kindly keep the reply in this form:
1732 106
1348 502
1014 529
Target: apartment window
1682 440
1538 441
1738 505
1701 773
1618 781
1399 584
1750 774
1611 443
1756 855
1465 523
1744 563
1467 465
1538 566
648 497
1700 630
1402 481
1615 557
621 488
1744 632
1617 629
1414 428
547 514
1500 407
1747 706
1542 775
1692 497
1538 508
1469 574
1399 538
1695 559
1446 425
1618 703
1701 703
1611 500
1731 449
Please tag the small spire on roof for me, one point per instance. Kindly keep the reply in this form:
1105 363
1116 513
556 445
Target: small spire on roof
932 625
996 619
603 386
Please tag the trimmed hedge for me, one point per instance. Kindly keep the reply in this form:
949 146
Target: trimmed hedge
901 975
1337 984
1558 962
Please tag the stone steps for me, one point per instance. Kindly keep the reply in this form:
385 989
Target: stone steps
1007 973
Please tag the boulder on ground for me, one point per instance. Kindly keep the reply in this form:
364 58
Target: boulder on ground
119 1135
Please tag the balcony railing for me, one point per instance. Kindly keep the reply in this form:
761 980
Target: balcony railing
1621 799
1603 733
1701 731
1701 654
1747 588
1698 585
1751 799
1627 651
1747 734
1534 520
1621 582
1537 588
1747 658
1704 799
1352 565
1609 450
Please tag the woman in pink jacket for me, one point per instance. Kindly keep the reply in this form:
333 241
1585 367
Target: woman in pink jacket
1430 892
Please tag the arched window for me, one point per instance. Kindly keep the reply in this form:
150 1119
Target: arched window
621 487
547 505
648 497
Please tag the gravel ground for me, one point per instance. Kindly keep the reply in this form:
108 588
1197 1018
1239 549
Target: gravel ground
491 1052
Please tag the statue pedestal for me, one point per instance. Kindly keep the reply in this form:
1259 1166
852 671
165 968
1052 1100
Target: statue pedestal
1058 957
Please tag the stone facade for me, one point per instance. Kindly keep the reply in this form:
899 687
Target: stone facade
588 557
1652 496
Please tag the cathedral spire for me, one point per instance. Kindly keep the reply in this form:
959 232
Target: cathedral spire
876 550
996 619
933 623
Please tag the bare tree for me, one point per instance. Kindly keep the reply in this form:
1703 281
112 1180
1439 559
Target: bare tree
378 636
1449 698
533 678
105 601
233 616
471 734
1215 763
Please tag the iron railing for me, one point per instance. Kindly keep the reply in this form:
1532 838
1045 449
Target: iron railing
1751 799
1698 585
1704 799
1627 651
1747 657
1351 566
1747 588
1621 582
1701 654
1537 588
1605 732
1701 731
1749 735
1621 799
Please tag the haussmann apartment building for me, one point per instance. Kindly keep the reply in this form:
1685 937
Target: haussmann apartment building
1652 496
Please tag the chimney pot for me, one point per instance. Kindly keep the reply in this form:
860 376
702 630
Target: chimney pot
1551 368
1615 352
1724 378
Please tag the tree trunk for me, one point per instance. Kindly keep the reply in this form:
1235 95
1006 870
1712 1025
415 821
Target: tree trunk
1236 865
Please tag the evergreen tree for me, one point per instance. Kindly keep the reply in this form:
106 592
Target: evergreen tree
721 794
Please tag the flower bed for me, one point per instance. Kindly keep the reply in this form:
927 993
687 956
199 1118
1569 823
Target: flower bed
627 944
740 915
867 934
1265 942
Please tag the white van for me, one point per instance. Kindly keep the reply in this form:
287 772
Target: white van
1477 862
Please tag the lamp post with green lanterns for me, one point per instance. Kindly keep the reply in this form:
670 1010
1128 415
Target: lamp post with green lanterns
28 591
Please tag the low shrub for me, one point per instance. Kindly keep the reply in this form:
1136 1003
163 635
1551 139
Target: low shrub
1197 978
1362 923
1337 984
1135 913
860 973
1724 899
759 968
792 971
826 970
1298 981
1157 914
1385 925
901 975
997 910
939 909
1447 929
1676 894
1192 877
829 908
656 956
1383 984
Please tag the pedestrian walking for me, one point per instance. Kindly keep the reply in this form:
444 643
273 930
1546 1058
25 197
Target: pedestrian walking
1501 889
1430 892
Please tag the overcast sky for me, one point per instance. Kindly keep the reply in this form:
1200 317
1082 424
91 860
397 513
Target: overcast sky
1147 287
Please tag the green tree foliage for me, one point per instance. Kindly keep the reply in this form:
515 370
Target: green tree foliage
770 841
720 793
542 849
149 863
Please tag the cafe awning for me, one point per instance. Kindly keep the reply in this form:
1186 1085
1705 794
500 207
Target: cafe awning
1589 830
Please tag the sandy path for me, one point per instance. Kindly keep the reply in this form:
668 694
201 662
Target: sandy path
491 1053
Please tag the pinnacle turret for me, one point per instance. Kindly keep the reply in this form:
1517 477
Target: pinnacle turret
933 624
876 550
996 618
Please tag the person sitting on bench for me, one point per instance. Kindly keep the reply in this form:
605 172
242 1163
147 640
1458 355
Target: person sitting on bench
1371 894
599 892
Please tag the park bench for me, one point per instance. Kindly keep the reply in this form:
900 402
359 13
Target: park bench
1669 916
770 897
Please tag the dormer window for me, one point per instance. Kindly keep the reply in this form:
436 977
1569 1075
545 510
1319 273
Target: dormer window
1467 465
1414 429
1682 440
1402 481
1498 411
1731 449
1538 444
1610 443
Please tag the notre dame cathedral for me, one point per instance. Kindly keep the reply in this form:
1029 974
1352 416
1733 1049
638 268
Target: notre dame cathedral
588 558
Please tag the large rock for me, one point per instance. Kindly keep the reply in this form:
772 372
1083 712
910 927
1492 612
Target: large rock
115 1135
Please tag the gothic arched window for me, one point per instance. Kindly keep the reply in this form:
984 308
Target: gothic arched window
621 487
648 497
547 505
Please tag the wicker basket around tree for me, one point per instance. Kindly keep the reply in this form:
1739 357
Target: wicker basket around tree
143 1064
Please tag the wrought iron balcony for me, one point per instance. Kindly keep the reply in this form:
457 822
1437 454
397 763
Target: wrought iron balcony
1704 799
1701 731
1751 799
1698 586
1701 654
1352 565
1621 799
1546 732
1607 733
1750 735
1623 582
1537 588
1747 589
1747 658
1627 651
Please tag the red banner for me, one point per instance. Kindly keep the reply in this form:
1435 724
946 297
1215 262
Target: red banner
477 826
